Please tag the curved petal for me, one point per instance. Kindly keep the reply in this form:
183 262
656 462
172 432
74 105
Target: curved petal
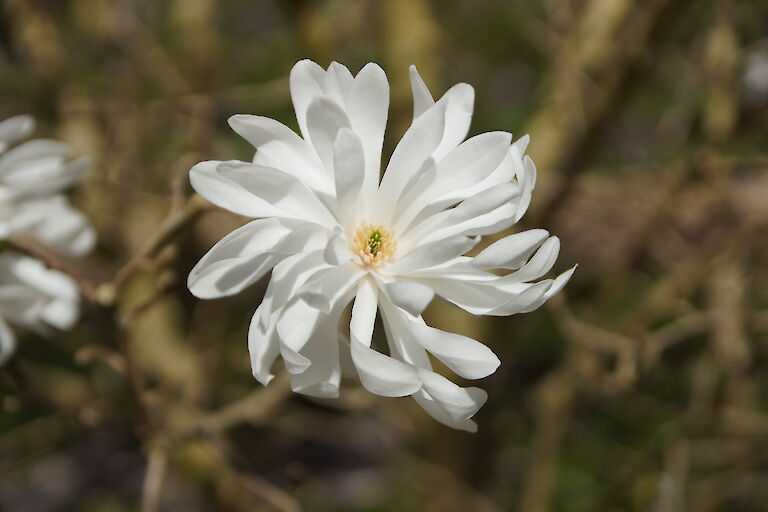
274 188
422 99
243 256
263 347
465 356
416 146
379 374
433 409
325 118
459 403
367 107
432 254
541 263
15 128
337 251
468 164
411 296
458 116
278 146
306 82
54 222
7 339
511 252
349 175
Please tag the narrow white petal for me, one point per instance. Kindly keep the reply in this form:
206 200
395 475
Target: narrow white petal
430 405
411 296
337 251
322 378
274 193
296 325
416 146
422 99
325 118
458 116
468 164
511 252
431 255
541 263
368 106
349 174
459 403
263 348
560 282
465 356
15 128
337 82
278 146
329 286
379 374
7 338
246 254
306 82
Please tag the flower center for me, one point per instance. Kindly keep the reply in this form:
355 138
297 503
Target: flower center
374 244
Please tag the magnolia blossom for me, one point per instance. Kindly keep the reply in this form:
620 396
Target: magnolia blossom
33 176
333 233
34 297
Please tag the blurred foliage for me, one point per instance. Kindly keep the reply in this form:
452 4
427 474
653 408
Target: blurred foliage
642 387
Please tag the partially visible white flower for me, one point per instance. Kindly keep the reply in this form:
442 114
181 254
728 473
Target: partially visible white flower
331 232
33 177
34 297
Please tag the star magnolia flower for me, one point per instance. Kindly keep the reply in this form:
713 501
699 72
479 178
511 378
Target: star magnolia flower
34 297
331 232
32 178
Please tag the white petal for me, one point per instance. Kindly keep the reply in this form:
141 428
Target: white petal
15 128
325 118
329 286
278 146
296 325
528 181
273 193
428 404
322 378
263 348
409 295
465 356
422 99
468 217
337 82
379 374
431 255
7 338
306 82
416 146
510 252
458 116
349 174
55 223
61 313
337 251
468 164
541 263
459 403
367 107
560 281
246 254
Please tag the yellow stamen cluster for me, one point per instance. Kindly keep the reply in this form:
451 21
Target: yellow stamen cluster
374 244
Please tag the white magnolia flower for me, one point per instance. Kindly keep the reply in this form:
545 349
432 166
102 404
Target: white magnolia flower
33 176
331 232
34 297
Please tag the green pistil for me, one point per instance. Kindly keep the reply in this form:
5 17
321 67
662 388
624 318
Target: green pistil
374 241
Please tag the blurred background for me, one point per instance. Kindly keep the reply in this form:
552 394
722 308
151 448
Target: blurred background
643 387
